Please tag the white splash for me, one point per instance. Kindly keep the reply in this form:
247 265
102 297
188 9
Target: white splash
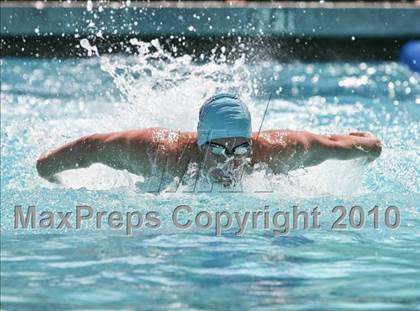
91 49
354 82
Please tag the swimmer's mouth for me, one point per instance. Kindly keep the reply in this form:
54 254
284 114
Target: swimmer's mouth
219 176
227 173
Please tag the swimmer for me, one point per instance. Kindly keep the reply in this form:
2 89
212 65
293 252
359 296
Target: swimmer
224 147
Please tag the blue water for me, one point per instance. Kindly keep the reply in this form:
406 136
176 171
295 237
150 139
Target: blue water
46 103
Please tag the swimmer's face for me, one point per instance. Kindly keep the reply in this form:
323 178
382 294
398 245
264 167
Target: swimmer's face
224 158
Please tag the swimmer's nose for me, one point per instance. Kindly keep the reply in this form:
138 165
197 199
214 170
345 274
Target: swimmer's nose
234 163
226 157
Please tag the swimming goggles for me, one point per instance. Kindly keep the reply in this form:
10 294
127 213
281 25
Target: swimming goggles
240 150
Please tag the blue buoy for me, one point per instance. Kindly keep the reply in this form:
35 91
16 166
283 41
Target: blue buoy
410 55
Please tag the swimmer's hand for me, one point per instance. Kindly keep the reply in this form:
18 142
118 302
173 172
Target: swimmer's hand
44 170
341 147
372 146
76 154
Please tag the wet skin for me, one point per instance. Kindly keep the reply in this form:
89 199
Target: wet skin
138 151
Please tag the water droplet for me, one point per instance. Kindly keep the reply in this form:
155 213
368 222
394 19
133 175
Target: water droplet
89 5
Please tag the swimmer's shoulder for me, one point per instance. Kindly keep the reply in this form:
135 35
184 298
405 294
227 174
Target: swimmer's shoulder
188 144
152 135
263 144
270 138
279 137
274 143
173 141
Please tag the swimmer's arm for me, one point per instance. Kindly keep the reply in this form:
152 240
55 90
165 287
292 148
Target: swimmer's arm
79 153
320 148
118 150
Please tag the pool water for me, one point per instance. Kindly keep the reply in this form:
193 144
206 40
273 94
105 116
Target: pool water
48 102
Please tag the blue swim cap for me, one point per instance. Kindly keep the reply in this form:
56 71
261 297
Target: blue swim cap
223 116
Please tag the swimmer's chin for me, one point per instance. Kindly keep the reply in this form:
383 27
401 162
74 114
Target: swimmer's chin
224 181
229 183
218 176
